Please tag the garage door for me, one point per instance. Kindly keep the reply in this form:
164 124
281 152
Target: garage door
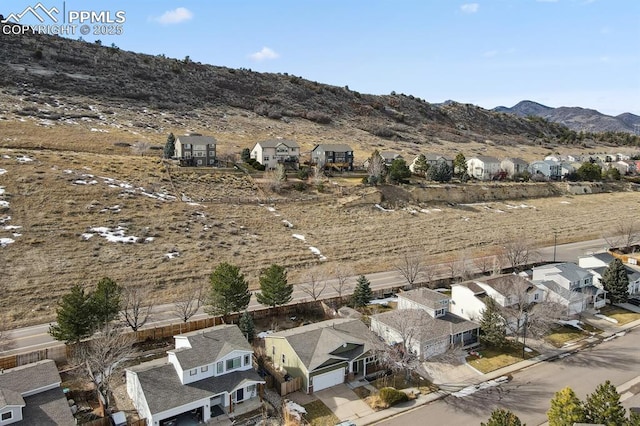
326 380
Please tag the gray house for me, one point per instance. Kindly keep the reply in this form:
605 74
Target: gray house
514 166
547 168
196 150
336 156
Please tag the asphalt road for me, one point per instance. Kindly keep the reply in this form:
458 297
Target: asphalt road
37 337
529 394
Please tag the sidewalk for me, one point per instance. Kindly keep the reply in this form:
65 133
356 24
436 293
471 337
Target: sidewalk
610 331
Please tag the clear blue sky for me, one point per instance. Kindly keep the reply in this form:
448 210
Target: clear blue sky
486 52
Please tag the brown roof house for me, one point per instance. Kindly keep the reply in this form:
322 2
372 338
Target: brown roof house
31 395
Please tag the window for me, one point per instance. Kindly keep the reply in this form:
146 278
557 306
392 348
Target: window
193 372
233 363
265 158
204 369
219 368
212 153
284 359
536 296
440 312
247 359
7 416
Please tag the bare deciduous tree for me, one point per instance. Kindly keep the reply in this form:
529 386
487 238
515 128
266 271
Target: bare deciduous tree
136 306
101 357
140 147
411 267
625 234
341 284
407 327
518 253
188 302
315 283
276 178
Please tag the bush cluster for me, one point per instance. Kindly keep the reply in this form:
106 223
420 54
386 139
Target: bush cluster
392 396
257 166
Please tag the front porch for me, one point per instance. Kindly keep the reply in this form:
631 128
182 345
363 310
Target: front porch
221 414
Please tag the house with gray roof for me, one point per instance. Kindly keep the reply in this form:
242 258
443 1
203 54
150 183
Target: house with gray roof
571 285
333 156
208 374
514 166
483 167
195 150
31 395
597 263
272 152
323 354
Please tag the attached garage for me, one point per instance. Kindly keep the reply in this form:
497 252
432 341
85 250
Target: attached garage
326 380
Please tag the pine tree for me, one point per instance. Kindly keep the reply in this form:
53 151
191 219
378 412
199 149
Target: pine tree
492 326
362 294
441 172
420 166
634 417
75 317
460 165
170 146
603 406
229 291
399 171
274 288
245 155
105 301
247 326
566 409
616 282
501 417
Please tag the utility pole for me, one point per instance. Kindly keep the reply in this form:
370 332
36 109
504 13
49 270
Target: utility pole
555 243
524 334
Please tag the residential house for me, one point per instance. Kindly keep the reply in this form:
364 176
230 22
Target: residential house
598 262
571 285
272 152
625 167
389 157
323 354
336 156
468 299
548 168
31 395
423 323
208 374
514 166
196 150
483 167
433 160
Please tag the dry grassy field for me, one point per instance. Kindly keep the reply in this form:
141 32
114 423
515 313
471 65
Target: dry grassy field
69 211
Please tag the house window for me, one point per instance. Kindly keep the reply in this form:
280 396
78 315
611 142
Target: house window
265 158
7 416
219 368
204 369
187 146
536 296
283 359
233 363
440 312
251 390
212 153
193 372
247 359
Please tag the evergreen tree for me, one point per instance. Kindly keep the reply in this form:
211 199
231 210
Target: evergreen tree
441 172
75 317
421 166
501 417
603 406
590 172
566 409
229 291
170 146
274 288
247 326
492 326
362 294
460 165
616 282
245 155
105 301
634 417
399 171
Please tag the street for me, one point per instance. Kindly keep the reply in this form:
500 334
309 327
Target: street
528 395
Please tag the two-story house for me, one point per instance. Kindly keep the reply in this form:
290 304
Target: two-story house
548 168
570 285
272 152
208 374
196 150
336 156
597 264
433 160
483 167
423 324
514 166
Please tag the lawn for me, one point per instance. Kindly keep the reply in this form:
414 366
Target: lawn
397 381
492 358
619 314
319 414
562 335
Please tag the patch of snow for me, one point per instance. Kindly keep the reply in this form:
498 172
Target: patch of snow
470 390
383 302
379 207
6 157
195 204
521 206
606 318
114 235
466 219
87 236
314 250
411 211
271 209
295 410
4 204
572 323
287 223
299 237
171 255
5 219
527 349
2 171
149 239
11 227
93 129
23 159
565 202
6 241
264 334
1 190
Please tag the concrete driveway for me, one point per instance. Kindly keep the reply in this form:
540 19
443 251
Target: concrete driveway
344 402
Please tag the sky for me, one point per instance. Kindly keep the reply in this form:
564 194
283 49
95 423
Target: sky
487 52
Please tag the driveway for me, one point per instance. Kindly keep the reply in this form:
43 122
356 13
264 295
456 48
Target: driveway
344 402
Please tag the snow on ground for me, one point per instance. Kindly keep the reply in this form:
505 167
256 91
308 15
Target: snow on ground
384 301
172 255
195 204
379 207
287 223
494 210
6 241
89 179
2 171
606 318
4 204
84 182
117 235
271 209
23 159
565 202
429 211
295 410
469 390
264 334
572 323
113 209
521 206
11 227
299 237
1 190
5 219
318 253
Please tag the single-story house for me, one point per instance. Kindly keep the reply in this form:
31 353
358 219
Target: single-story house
337 156
196 150
272 152
31 395
208 374
323 354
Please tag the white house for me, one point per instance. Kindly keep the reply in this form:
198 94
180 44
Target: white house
272 152
483 167
208 373
597 263
433 160
571 285
513 166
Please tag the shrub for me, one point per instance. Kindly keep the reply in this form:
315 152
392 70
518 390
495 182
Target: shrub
392 396
303 174
318 117
300 186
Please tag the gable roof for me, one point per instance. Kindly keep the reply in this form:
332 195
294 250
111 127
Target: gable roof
28 378
327 342
426 297
163 390
516 160
430 328
336 147
272 143
210 344
436 157
473 286
509 284
10 398
605 257
567 270
196 139
389 155
485 159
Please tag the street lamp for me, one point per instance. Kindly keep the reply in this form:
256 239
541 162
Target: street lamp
555 243
524 333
